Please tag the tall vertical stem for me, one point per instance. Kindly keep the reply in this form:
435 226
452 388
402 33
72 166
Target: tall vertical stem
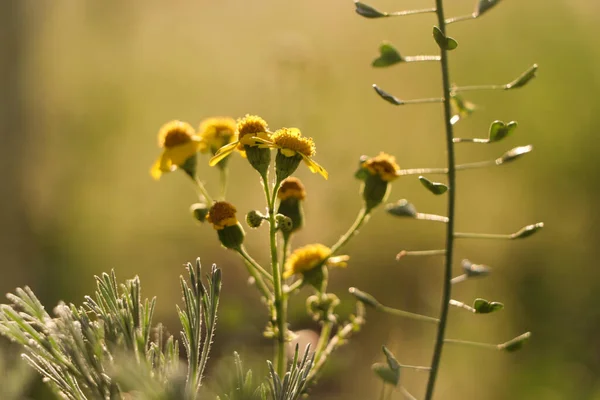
279 300
439 342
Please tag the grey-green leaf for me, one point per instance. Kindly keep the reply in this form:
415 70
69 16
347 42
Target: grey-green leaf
402 208
434 187
483 306
445 42
367 11
388 55
391 359
524 78
484 6
386 373
388 97
499 130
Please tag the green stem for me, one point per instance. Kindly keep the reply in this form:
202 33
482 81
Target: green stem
323 339
420 58
279 300
460 18
256 266
475 344
411 12
203 192
447 286
480 87
253 269
360 219
405 314
468 235
224 178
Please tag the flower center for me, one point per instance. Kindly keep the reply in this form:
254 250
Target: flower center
175 133
251 125
383 165
222 214
292 139
291 188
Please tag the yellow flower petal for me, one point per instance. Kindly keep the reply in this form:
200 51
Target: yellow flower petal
222 153
314 167
179 154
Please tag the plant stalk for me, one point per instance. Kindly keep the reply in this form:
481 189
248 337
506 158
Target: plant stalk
447 288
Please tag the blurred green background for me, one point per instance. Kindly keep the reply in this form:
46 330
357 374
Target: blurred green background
87 84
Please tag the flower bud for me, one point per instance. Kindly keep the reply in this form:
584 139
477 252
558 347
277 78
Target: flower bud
286 165
199 211
284 223
377 172
222 216
291 193
254 219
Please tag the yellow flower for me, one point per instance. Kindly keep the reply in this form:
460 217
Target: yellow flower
215 133
383 165
291 188
222 215
251 131
292 143
310 257
179 142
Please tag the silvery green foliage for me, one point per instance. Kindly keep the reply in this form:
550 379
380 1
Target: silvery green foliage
107 348
294 381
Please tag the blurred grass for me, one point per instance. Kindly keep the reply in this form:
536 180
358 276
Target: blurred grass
95 81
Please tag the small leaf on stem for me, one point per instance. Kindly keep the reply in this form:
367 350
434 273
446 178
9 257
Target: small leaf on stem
434 187
367 11
387 97
524 78
516 343
484 5
402 208
483 306
528 230
445 42
499 130
513 154
388 55
386 373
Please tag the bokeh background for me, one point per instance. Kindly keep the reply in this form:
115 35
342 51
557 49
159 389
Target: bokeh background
86 85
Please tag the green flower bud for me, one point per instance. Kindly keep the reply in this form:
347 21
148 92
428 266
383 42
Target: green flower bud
286 166
284 223
254 219
199 211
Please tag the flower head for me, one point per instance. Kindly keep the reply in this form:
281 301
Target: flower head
382 165
216 132
221 215
252 131
179 142
309 257
291 188
293 145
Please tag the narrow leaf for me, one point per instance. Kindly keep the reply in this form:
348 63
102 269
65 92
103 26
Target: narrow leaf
434 187
528 230
388 97
513 154
516 343
388 55
367 11
524 78
391 359
363 297
484 6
